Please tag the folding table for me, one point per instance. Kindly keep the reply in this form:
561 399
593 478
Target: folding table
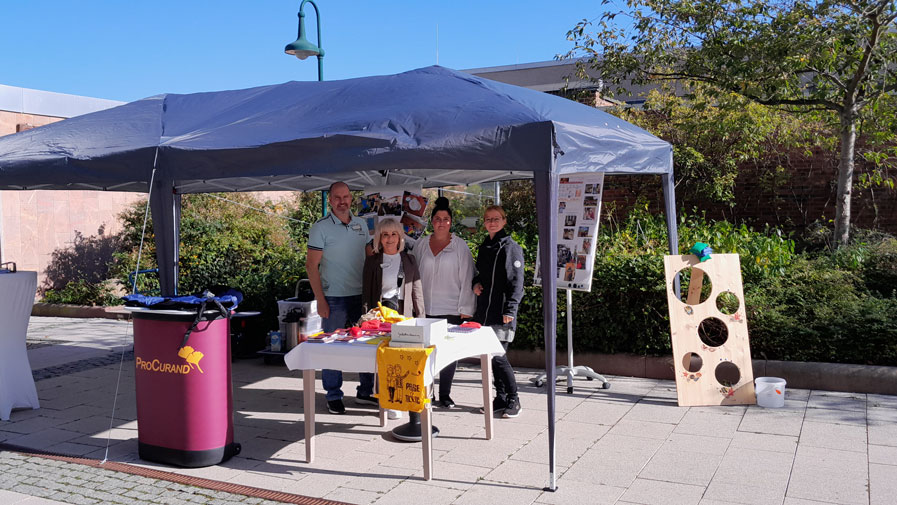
362 357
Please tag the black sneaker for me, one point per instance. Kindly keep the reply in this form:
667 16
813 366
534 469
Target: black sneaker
367 400
498 407
336 407
446 401
513 409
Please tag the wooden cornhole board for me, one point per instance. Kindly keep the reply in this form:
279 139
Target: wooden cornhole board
716 370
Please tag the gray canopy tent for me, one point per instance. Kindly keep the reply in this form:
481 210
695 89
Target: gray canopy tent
432 126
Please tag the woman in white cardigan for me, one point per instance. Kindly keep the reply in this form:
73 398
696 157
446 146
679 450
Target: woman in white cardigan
446 270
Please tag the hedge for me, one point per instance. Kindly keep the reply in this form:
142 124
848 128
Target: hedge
811 304
808 306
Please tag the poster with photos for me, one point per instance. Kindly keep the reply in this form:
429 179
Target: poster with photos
405 204
579 209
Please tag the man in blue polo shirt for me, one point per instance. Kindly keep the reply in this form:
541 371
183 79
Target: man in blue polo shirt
334 263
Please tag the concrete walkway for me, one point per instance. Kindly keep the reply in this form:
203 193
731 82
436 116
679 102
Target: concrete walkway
629 444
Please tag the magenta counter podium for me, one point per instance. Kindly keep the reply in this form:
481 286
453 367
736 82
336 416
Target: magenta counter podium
184 394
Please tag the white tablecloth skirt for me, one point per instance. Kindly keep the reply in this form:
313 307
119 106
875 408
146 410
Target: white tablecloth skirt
17 388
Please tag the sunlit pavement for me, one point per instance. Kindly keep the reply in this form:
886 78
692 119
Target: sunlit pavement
628 444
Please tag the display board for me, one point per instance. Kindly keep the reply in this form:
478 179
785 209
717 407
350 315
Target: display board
578 213
407 204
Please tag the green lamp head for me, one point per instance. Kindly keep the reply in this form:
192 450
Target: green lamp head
301 47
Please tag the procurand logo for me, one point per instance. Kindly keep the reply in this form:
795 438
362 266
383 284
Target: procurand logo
190 355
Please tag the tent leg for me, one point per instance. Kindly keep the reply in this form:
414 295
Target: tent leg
669 201
165 205
546 185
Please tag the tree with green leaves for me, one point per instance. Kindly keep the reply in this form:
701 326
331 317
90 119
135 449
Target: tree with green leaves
838 56
228 239
715 135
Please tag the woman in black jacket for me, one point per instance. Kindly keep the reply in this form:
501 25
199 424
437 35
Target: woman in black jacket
498 285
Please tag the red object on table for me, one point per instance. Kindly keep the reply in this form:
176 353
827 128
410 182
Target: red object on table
372 324
355 331
471 324
376 324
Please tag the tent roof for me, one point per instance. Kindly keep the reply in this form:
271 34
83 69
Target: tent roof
431 126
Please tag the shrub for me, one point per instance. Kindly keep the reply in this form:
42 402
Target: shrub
817 312
626 310
816 305
82 292
77 274
880 269
819 305
223 243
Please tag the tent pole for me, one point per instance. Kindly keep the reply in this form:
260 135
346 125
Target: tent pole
669 200
546 184
165 206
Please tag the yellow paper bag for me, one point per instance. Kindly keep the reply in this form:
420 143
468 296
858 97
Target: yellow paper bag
401 377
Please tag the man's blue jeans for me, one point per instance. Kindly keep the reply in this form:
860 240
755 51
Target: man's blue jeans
344 312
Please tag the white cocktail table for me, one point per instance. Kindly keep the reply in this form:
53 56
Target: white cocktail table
17 387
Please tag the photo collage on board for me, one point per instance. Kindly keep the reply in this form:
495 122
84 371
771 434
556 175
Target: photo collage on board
404 204
578 213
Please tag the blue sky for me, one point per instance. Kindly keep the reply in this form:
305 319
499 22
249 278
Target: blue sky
126 50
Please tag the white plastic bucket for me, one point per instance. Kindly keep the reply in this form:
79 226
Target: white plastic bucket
770 391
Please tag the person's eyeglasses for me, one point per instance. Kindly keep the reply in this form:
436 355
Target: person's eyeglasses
442 220
493 220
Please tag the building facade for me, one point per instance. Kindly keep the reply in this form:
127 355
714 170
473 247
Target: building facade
33 224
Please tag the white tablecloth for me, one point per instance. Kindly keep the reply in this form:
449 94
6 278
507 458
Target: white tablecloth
16 382
362 357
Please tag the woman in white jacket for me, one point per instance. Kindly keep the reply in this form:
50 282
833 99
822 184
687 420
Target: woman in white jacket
446 271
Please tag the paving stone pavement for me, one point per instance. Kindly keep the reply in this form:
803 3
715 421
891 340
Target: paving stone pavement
30 480
631 444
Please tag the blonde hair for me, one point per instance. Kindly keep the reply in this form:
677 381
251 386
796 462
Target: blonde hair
388 224
496 208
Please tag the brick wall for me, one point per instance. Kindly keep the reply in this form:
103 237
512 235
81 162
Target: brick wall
804 192
808 194
793 198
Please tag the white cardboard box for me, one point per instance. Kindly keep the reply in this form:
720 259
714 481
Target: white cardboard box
307 326
418 332
308 308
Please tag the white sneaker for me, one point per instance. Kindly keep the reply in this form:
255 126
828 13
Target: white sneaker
393 414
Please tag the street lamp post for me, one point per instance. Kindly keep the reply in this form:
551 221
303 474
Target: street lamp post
301 47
